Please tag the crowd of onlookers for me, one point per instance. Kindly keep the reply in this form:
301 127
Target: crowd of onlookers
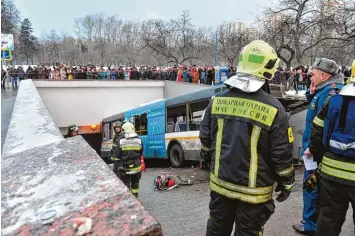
300 77
296 78
192 74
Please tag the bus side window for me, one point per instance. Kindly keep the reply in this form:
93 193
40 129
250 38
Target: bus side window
176 119
141 124
112 131
195 112
106 131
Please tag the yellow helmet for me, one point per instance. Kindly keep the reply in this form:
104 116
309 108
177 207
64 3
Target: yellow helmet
258 58
128 127
257 62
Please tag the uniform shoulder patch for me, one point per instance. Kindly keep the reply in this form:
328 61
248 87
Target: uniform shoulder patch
313 106
290 135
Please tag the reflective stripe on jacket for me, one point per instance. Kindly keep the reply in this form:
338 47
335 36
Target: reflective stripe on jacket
251 145
338 169
130 151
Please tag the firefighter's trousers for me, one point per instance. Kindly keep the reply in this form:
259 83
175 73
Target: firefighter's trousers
249 218
130 180
334 203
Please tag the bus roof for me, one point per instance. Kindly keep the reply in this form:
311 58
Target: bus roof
113 118
147 103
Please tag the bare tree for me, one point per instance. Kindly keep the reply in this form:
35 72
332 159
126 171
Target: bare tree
230 41
299 31
174 39
53 46
276 29
300 25
10 17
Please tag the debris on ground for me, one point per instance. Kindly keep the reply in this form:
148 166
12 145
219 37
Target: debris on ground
82 225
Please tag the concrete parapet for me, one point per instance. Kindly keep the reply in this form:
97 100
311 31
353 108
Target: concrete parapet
48 181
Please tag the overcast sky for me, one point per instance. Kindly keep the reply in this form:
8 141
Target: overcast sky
60 14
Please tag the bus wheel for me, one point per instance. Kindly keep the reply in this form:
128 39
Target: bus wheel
176 156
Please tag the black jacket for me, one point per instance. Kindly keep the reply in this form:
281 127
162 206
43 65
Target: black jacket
250 142
130 151
116 140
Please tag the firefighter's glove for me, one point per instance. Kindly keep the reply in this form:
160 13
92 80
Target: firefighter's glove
205 155
285 192
311 181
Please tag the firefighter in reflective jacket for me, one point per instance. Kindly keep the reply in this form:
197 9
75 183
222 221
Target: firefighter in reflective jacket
333 145
116 141
326 79
246 133
128 152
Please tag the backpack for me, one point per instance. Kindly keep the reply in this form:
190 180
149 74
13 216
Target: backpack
339 126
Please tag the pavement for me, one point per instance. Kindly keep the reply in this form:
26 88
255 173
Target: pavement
184 210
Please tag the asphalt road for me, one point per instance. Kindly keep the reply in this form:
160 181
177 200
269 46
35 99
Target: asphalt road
184 210
8 97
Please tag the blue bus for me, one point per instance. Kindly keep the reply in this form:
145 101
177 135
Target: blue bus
169 128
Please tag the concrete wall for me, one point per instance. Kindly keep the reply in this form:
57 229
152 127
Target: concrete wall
88 102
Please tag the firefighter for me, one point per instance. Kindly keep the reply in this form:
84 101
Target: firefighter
128 152
116 141
245 132
325 80
333 144
73 130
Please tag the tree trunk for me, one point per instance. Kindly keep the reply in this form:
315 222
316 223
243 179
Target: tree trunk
288 65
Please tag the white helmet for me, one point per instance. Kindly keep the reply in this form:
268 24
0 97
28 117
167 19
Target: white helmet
128 127
348 90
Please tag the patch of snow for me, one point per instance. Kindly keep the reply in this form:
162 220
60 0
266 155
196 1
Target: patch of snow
62 192
31 124
54 185
110 181
54 190
55 152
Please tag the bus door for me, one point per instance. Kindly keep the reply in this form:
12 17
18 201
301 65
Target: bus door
106 144
149 123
